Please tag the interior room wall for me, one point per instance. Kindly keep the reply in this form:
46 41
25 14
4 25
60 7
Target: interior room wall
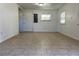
41 26
9 20
46 26
71 27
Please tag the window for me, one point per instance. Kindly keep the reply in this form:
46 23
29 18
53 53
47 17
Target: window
45 17
62 18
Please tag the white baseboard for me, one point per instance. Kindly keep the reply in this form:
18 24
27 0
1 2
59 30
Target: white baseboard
70 36
2 40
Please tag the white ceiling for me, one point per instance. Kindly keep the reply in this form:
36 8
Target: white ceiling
47 6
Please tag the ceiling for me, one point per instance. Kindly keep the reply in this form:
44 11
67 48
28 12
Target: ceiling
47 6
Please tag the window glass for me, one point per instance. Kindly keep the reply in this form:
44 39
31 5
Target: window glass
45 17
62 18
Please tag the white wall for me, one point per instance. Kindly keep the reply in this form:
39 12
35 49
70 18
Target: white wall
21 21
0 27
41 26
46 26
71 28
9 18
28 20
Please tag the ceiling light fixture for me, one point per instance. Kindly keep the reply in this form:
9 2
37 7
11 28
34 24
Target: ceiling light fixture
40 4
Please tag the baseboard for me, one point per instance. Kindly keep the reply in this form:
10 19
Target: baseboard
26 31
45 31
8 38
69 36
37 31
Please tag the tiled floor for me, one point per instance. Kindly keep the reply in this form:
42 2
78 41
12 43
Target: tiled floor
40 44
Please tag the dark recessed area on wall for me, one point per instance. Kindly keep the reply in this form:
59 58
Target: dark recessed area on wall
35 18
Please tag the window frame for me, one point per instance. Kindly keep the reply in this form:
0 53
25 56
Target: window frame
63 18
48 19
